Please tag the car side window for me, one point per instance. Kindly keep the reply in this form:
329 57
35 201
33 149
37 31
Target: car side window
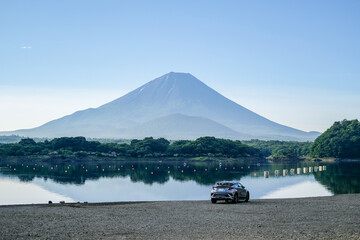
240 186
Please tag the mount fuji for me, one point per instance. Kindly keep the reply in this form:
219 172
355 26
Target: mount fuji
175 106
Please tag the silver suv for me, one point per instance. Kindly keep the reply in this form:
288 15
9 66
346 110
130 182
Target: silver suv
229 191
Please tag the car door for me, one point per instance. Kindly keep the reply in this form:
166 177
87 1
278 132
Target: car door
242 192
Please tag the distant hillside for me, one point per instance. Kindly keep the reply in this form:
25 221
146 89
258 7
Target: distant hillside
342 140
176 126
167 98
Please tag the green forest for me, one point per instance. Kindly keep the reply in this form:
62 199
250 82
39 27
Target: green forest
341 140
281 149
148 147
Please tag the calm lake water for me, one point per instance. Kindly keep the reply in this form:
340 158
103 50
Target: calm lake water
27 183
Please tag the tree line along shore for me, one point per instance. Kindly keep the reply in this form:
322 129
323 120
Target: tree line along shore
341 140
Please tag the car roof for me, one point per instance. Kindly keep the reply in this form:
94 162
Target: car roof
232 182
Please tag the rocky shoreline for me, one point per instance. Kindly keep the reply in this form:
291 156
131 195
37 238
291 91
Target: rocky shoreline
335 217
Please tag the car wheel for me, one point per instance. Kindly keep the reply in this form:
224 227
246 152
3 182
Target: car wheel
213 200
236 198
247 197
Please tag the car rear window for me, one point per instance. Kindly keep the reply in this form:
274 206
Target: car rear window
224 184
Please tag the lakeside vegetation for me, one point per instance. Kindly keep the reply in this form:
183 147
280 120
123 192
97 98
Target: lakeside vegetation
281 149
149 147
341 140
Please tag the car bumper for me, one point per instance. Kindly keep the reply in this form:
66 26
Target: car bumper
222 196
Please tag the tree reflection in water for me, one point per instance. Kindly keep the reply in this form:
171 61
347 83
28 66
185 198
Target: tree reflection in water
339 178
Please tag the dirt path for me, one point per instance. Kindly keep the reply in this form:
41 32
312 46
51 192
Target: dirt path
336 217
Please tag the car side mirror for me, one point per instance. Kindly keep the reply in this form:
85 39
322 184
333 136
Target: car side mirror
243 186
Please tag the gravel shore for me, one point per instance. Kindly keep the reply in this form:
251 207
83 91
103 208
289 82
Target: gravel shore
336 217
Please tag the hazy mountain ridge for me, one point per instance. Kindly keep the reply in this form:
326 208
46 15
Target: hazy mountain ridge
176 126
162 98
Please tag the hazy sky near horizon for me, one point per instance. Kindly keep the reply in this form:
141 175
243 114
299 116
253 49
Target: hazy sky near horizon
294 62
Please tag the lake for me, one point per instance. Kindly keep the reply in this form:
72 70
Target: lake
27 183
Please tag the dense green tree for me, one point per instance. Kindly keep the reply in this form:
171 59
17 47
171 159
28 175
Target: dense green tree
73 144
287 149
149 146
342 140
27 141
205 146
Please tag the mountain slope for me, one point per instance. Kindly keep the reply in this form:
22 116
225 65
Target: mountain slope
170 94
176 126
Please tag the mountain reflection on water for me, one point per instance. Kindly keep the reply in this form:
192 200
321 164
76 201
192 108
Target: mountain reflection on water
265 180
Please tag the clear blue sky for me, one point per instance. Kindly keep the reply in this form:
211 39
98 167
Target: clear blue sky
294 62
